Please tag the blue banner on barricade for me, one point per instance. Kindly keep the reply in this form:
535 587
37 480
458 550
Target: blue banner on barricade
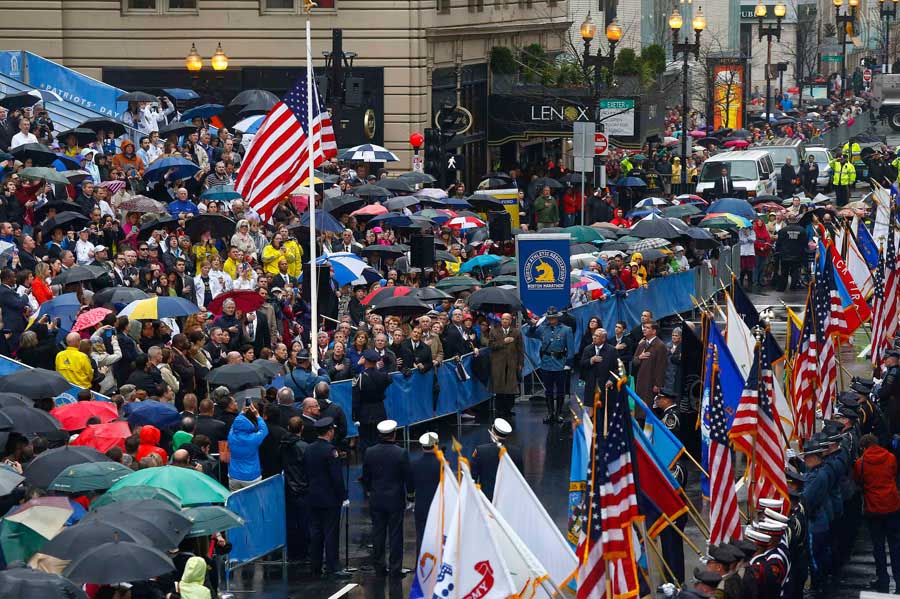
264 530
9 366
73 86
342 395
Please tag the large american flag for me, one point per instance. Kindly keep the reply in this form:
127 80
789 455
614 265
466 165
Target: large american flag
885 312
829 313
754 431
724 518
805 374
608 569
276 162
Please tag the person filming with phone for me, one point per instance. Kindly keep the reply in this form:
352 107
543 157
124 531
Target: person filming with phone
246 435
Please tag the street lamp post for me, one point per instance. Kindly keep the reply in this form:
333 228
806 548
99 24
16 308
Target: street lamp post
685 48
768 32
613 35
841 21
194 63
887 15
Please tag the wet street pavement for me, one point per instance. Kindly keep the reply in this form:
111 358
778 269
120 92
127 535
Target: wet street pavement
546 454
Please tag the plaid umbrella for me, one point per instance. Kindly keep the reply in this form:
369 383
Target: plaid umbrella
648 244
368 153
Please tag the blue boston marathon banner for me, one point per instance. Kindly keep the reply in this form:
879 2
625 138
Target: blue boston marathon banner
543 270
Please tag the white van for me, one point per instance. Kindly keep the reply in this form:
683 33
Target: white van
752 172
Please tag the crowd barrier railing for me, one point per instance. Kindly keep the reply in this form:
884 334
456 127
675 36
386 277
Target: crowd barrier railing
262 507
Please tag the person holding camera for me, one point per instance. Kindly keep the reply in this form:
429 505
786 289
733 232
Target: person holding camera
246 435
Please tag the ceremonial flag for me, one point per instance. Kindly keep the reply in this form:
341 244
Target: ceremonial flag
525 514
665 445
886 313
582 441
805 374
867 246
443 506
755 434
724 519
750 315
606 550
741 342
883 216
659 492
829 322
793 334
854 308
859 269
276 162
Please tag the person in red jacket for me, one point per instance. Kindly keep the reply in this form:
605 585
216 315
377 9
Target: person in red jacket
876 473
150 444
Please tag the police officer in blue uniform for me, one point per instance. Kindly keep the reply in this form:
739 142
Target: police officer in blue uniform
816 498
426 476
557 357
327 493
386 481
369 389
486 457
302 380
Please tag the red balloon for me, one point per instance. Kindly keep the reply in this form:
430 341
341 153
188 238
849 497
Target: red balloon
416 140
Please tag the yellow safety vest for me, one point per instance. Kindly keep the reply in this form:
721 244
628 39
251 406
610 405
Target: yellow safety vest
626 166
852 150
843 174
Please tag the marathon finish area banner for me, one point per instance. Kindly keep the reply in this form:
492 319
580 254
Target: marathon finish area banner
543 262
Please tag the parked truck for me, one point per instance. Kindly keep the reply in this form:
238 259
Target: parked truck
886 89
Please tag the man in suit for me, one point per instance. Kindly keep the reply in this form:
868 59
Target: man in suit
416 353
387 360
486 457
454 340
623 343
507 360
723 187
426 476
598 363
207 424
386 481
256 331
369 389
346 243
650 361
12 306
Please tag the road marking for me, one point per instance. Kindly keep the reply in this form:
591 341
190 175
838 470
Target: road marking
347 588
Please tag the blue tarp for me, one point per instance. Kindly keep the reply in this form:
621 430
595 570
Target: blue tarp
262 506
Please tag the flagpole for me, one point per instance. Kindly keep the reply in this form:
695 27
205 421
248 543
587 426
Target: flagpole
310 168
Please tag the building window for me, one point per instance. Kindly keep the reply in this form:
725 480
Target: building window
159 6
292 6
443 5
476 5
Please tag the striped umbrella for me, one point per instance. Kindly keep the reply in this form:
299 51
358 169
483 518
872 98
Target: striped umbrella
349 267
461 223
383 293
250 124
368 153
155 308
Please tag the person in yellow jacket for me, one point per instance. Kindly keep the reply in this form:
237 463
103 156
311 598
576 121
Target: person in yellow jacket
293 253
626 166
273 253
235 258
843 175
205 250
74 365
852 150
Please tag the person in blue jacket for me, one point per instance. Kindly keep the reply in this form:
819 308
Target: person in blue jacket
302 380
246 435
557 356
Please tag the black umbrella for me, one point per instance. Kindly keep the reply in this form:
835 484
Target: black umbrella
402 306
573 178
510 267
485 203
36 383
58 205
217 225
343 204
238 376
19 100
164 526
324 222
14 399
67 221
136 97
169 223
268 367
39 154
257 107
399 185
6 420
46 466
550 182
9 479
83 135
17 583
178 128
78 274
72 541
656 227
372 191
431 295
249 96
703 239
495 299
443 255
118 295
106 124
382 250
401 202
709 141
114 562
418 178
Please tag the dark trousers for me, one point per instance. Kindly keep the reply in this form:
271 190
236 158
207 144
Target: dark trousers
885 528
324 536
387 525
555 385
421 521
842 194
368 436
672 547
297 527
505 403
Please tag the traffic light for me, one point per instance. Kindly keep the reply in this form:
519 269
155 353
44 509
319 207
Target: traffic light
434 155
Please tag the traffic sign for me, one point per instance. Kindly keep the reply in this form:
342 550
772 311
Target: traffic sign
867 75
831 58
583 146
418 163
601 144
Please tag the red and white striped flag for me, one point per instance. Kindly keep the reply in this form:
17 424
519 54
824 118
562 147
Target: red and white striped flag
885 309
829 320
276 162
724 518
805 374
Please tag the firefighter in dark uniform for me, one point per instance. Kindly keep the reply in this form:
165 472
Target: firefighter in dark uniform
722 560
845 423
386 481
426 476
889 391
706 582
486 457
871 417
670 541
327 493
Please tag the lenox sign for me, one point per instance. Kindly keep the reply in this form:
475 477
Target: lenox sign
570 113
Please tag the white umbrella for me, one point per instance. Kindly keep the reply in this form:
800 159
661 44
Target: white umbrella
368 153
250 124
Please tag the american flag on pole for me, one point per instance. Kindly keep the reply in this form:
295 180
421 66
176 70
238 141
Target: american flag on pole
829 322
275 163
885 313
608 569
754 431
805 374
724 519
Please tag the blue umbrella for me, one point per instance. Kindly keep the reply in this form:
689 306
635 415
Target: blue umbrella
220 193
630 182
400 221
65 307
642 212
67 163
483 261
734 206
170 168
324 222
179 93
152 412
204 111
349 267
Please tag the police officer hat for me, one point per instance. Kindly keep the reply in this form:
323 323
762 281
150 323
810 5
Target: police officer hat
814 445
793 475
861 385
725 554
501 428
831 428
892 353
387 427
847 412
707 577
552 312
303 355
849 398
324 423
370 355
747 547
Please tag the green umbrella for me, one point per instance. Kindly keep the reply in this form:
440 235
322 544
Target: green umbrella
638 157
25 529
503 280
136 493
628 239
192 487
92 476
50 175
680 211
210 519
584 234
457 283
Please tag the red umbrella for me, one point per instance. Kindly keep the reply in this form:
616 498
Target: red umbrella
245 301
90 318
370 210
737 143
383 293
104 436
74 416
